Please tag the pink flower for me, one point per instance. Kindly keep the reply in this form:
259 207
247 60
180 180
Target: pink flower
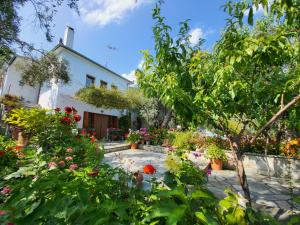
6 190
73 166
10 223
69 150
208 172
52 165
62 163
2 212
69 158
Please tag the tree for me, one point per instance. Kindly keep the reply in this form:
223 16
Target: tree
249 72
45 11
243 80
165 75
47 69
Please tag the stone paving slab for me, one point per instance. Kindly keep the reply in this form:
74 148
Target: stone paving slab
272 195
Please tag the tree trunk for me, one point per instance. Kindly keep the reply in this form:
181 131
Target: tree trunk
167 118
237 154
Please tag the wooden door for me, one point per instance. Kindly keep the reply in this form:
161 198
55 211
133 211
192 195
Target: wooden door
101 125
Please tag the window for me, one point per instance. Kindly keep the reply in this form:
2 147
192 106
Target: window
90 81
114 87
103 84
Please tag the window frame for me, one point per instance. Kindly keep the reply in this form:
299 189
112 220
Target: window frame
103 84
91 78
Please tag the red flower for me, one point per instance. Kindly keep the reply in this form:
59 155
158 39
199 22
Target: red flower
62 163
57 110
6 190
149 169
2 153
10 223
126 135
2 212
92 139
94 173
18 147
77 117
66 120
73 166
83 131
68 110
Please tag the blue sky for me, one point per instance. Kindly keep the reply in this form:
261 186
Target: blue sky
125 25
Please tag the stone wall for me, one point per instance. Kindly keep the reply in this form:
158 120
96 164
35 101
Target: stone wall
275 166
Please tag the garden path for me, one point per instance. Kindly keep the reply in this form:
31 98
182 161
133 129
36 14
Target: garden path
270 194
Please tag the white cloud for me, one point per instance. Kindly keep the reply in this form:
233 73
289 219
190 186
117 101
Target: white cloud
131 75
195 35
103 12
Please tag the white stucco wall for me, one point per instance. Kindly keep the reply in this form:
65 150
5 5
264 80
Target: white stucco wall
48 96
12 83
80 67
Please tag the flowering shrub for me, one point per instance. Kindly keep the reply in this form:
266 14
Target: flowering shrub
157 135
133 137
292 148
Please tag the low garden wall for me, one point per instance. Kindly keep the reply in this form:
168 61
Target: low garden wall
274 166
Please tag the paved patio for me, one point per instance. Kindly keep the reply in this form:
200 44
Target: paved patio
272 195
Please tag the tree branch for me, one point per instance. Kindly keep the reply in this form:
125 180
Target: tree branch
275 117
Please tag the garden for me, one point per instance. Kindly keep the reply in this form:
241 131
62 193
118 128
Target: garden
203 113
59 178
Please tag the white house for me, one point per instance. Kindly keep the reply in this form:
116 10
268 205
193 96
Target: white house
83 72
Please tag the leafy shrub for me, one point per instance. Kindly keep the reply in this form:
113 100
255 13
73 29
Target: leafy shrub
104 98
215 152
125 122
292 148
157 135
221 143
183 139
8 155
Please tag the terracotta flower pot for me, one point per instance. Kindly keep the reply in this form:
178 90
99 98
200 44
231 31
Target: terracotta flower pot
216 164
134 146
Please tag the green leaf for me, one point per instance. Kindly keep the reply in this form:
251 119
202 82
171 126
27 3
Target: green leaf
206 218
202 194
250 16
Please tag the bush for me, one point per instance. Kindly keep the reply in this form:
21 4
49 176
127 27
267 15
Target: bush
157 135
215 153
133 137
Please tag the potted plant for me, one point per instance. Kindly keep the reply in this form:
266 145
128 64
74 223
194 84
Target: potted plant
217 156
133 138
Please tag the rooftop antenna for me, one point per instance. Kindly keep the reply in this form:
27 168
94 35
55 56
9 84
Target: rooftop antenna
110 48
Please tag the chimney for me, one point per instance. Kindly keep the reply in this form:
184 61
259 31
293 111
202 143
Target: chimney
69 37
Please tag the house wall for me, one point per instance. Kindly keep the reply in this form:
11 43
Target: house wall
49 96
80 67
13 87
